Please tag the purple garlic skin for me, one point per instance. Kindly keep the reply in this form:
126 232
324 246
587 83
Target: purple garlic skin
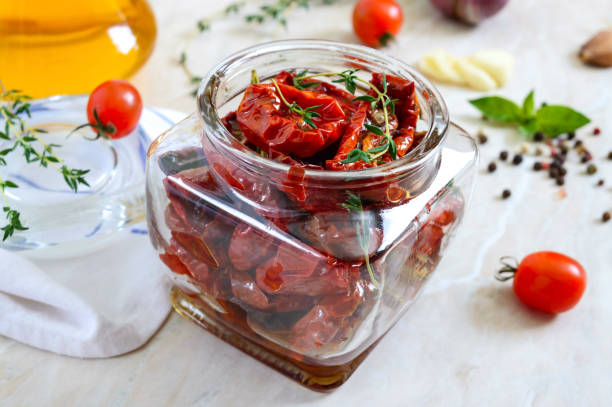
469 11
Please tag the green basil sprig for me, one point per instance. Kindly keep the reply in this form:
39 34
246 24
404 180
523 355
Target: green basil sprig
551 120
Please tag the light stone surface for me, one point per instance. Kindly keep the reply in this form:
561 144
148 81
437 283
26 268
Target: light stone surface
467 341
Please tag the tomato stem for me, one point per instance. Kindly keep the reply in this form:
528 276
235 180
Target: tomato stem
507 272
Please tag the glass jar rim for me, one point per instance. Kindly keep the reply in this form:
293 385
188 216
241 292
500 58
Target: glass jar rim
219 135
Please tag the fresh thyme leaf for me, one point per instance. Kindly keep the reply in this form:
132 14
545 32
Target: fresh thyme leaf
366 98
203 25
379 149
353 204
356 155
374 129
13 105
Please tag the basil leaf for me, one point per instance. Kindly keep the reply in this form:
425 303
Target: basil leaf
374 129
528 104
553 120
498 109
528 127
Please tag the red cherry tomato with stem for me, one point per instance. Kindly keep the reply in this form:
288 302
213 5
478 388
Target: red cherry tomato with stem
548 281
114 109
376 22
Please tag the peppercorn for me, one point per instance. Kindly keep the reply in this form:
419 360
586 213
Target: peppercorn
562 172
517 159
555 164
591 169
553 172
596 131
560 181
538 136
564 150
600 183
482 138
571 135
506 194
559 158
584 159
610 155
605 217
537 166
503 155
492 167
578 143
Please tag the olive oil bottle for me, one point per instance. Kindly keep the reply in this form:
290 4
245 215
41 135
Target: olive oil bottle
70 46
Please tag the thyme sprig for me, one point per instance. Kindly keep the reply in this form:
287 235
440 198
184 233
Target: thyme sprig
277 10
350 79
13 106
354 204
307 114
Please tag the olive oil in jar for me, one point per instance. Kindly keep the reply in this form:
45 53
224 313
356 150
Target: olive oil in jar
70 46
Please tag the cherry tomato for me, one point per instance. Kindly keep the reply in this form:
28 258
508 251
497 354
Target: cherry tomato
117 105
548 281
377 21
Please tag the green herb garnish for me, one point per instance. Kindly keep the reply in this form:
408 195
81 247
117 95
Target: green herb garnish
350 79
13 106
551 120
307 113
353 204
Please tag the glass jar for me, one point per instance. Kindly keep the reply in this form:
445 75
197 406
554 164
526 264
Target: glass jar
303 269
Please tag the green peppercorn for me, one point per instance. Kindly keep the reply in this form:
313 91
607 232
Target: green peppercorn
591 169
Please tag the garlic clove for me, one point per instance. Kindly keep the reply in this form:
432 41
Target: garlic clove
443 65
598 50
497 63
474 76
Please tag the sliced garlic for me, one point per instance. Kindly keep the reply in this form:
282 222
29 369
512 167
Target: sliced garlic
499 64
485 70
444 66
475 77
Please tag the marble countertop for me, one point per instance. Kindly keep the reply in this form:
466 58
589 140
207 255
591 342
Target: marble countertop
467 340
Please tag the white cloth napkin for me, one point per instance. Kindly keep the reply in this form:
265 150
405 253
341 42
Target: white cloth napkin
100 305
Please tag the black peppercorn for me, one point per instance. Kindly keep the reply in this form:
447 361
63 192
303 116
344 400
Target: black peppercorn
562 171
605 217
584 159
506 194
560 180
517 159
482 138
539 136
553 172
537 166
578 143
503 155
492 167
610 155
571 135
